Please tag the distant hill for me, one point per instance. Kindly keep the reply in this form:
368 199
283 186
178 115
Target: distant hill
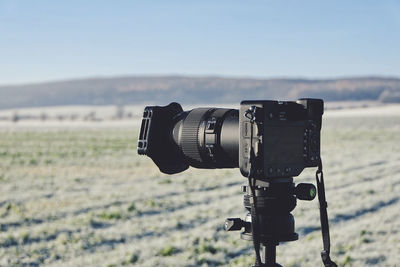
192 90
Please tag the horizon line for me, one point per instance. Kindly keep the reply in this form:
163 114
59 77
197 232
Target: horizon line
222 76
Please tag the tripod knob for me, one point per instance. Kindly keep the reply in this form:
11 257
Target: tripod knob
305 191
234 224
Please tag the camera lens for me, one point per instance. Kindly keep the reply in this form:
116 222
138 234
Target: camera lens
208 137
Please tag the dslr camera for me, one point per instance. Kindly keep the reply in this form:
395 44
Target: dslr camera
285 136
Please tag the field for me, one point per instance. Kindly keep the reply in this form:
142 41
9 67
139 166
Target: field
81 196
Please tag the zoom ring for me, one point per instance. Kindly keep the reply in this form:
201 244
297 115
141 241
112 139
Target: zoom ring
190 135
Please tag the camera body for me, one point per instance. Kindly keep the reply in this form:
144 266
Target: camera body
285 136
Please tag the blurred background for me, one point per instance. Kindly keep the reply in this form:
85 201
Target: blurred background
75 76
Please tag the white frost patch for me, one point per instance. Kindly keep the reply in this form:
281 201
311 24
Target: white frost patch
392 110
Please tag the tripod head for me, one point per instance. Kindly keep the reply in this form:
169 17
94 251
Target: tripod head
273 202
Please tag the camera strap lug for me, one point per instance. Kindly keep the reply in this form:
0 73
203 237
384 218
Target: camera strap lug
323 213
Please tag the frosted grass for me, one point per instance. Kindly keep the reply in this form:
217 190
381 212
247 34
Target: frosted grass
83 197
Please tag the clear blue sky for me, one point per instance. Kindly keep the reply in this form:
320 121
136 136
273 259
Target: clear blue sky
50 40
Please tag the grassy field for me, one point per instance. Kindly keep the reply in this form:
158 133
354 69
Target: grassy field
83 197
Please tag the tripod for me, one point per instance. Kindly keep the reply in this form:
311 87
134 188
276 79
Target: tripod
273 200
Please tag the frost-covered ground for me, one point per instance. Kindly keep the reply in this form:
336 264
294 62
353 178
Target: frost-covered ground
81 196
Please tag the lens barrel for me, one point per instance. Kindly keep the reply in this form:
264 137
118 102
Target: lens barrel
208 137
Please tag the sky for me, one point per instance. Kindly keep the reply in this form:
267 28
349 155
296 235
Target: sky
57 40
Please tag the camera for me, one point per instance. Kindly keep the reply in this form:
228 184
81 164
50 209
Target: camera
284 135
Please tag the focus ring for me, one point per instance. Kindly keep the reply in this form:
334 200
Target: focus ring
190 134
